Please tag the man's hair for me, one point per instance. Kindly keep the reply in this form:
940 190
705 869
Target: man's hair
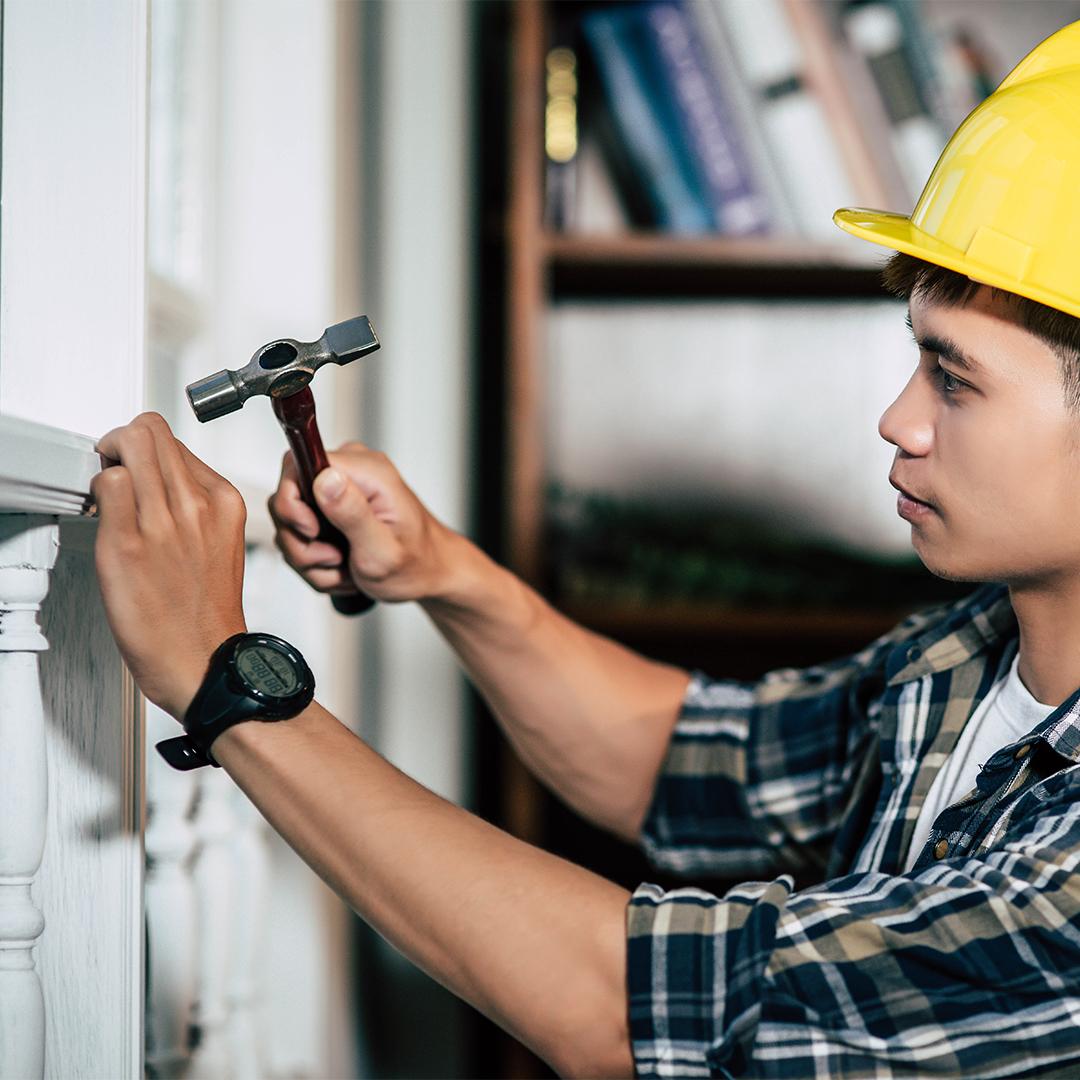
905 275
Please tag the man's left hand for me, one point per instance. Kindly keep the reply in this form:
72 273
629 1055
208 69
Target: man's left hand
169 558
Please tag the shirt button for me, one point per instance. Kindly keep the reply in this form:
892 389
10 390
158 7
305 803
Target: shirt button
1023 752
941 849
914 653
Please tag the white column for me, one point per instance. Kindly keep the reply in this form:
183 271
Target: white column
251 880
171 927
214 827
28 547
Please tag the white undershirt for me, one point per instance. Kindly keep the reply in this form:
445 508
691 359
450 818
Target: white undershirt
1005 715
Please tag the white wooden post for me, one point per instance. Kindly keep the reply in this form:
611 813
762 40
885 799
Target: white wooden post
28 546
214 828
171 927
251 877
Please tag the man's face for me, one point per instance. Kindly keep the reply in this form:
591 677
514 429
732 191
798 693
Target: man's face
991 449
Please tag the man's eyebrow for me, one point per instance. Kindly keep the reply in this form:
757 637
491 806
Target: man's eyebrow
943 346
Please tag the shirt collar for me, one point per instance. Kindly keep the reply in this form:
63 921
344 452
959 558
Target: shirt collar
973 625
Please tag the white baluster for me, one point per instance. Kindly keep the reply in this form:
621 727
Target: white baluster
170 904
28 547
251 871
214 826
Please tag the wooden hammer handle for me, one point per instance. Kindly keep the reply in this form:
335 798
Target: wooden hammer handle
296 413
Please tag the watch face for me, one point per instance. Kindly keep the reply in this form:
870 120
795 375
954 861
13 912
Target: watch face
266 670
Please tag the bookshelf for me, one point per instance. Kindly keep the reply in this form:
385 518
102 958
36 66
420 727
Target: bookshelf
525 269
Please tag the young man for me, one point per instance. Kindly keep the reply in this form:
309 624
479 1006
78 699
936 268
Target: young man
930 780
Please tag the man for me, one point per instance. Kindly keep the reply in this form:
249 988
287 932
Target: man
931 779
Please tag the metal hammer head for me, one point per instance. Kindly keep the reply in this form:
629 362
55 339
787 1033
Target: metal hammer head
281 368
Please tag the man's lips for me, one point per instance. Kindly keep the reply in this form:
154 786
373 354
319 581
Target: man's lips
910 494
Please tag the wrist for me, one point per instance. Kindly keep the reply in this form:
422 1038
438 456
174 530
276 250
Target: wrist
184 683
463 580
480 596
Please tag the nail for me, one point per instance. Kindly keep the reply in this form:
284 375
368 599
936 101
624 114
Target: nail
331 483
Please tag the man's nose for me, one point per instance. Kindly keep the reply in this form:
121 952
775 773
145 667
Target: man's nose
908 422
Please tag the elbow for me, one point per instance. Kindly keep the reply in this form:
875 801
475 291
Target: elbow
601 1051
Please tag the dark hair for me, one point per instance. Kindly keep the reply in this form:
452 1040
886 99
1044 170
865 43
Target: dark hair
905 275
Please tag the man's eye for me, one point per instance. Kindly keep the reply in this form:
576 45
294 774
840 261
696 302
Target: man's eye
950 384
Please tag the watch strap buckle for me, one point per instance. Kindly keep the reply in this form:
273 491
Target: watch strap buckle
184 753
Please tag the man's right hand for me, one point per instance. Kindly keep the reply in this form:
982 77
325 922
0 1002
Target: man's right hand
398 550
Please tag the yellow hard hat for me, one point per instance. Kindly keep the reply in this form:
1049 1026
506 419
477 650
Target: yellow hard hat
1003 202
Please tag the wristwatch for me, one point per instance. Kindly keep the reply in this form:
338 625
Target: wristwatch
250 677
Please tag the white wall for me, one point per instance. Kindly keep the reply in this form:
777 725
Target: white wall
770 406
72 256
417 244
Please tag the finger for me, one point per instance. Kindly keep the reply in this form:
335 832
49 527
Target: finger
351 512
180 483
304 554
134 447
287 506
330 581
324 578
115 500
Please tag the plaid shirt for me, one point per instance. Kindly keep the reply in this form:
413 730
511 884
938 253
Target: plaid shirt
967 965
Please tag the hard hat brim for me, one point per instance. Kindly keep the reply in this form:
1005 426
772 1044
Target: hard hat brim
896 231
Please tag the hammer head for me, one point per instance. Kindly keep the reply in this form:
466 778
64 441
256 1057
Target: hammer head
281 368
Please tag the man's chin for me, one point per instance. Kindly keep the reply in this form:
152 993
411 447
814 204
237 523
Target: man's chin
950 571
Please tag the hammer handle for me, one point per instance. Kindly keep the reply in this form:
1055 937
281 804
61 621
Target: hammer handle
296 414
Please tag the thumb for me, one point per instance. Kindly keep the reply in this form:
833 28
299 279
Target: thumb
340 499
346 506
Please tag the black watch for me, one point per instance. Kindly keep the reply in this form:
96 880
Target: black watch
250 677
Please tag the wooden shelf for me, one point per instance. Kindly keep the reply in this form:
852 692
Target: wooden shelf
650 264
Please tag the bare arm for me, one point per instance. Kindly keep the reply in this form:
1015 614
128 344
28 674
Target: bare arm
590 718
535 943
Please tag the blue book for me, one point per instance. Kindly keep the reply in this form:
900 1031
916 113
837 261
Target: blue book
645 122
706 124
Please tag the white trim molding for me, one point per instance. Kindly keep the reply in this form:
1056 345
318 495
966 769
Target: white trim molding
44 470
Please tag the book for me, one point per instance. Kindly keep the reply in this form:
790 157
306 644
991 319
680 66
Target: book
876 30
637 127
561 139
706 124
793 122
741 99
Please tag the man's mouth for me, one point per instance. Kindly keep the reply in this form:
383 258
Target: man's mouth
911 495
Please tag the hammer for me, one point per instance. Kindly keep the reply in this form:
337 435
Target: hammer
281 370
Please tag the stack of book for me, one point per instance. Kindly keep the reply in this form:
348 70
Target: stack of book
747 117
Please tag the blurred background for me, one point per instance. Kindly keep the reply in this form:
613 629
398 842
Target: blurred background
624 349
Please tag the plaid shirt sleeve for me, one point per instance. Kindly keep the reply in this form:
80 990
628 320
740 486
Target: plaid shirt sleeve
757 775
966 967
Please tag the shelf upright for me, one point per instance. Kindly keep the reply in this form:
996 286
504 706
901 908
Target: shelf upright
522 502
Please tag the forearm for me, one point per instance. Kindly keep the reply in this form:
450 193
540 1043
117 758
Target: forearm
533 942
590 718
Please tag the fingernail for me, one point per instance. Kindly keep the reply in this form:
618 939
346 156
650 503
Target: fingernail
331 483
